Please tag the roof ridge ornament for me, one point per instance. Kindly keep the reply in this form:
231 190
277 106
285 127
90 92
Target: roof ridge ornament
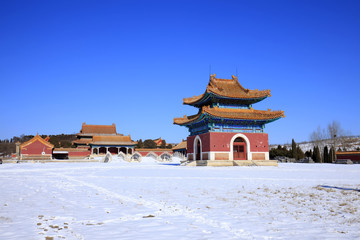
212 83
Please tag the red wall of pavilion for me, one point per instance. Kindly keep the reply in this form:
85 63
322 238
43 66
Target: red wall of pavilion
37 148
259 142
220 142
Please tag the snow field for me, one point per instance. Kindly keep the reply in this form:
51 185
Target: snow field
133 201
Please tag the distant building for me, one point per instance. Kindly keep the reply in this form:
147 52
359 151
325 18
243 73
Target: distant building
87 132
36 148
100 139
180 148
354 156
226 126
158 142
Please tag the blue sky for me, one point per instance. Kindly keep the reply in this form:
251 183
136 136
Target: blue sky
131 63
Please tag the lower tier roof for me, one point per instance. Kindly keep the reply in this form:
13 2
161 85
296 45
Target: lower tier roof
230 113
112 140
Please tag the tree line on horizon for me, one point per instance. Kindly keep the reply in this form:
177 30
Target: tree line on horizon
333 136
326 155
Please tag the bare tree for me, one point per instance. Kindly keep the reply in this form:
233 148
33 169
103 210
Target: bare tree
335 130
336 134
317 137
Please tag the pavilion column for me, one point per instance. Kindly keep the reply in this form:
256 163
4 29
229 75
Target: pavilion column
98 150
118 148
127 151
107 149
92 150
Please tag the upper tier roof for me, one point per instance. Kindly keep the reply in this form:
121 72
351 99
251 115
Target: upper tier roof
229 89
97 129
231 113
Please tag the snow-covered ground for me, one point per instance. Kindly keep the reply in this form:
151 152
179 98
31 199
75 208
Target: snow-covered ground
150 201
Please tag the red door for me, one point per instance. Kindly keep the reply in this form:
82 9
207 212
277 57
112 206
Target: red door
239 150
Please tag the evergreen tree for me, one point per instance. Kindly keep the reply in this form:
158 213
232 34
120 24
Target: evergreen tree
332 155
66 144
326 155
148 143
294 150
163 144
54 140
299 153
308 153
316 155
280 151
313 154
272 153
140 144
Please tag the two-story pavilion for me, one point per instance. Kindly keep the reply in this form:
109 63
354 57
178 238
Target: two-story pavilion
226 126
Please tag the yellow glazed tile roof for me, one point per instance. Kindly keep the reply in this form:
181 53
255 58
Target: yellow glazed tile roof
230 88
231 113
36 138
182 145
98 129
117 139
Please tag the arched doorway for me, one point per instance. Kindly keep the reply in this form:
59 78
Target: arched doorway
197 148
239 149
